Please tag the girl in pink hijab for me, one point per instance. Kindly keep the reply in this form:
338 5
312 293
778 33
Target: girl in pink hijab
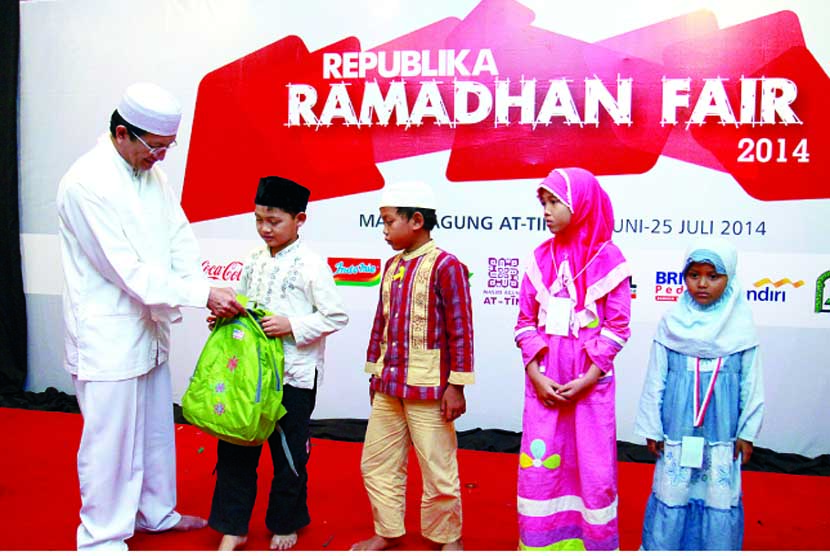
573 319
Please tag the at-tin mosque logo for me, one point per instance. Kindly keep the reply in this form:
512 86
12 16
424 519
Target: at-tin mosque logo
503 280
823 293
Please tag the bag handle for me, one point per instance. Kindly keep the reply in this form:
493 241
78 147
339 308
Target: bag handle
252 308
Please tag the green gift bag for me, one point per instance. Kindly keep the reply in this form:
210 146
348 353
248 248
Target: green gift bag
236 390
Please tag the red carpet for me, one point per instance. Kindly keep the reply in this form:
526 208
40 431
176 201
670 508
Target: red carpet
39 498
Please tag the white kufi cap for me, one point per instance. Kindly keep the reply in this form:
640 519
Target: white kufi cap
414 194
151 108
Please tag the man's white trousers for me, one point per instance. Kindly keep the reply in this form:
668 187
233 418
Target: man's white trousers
127 459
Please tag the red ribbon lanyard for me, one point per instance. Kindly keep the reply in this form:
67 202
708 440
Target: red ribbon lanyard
701 411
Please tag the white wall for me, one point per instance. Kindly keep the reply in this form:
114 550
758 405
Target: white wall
77 57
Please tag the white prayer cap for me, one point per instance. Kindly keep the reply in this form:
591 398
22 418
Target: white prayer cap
414 194
151 108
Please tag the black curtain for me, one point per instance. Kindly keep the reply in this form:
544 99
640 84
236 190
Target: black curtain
12 303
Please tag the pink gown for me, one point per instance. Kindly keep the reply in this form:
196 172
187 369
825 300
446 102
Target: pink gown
574 310
567 489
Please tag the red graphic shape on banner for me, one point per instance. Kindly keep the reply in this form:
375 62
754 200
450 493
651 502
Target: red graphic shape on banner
650 43
780 162
727 53
645 135
486 151
239 134
395 141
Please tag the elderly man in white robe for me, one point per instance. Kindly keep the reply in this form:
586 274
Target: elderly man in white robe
130 261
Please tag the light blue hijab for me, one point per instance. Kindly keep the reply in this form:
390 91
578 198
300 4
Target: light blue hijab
716 330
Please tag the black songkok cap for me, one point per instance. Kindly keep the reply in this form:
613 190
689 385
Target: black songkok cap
282 193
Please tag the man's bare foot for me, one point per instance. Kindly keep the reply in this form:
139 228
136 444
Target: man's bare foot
283 542
376 543
455 545
190 522
232 542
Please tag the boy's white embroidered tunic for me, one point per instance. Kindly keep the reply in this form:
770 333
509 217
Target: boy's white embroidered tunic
298 284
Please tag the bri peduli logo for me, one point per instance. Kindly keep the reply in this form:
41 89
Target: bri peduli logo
355 272
823 293
668 285
767 291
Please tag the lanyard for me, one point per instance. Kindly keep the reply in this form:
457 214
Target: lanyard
700 411
578 274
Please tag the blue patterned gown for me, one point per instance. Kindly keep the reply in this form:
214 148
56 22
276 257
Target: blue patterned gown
698 508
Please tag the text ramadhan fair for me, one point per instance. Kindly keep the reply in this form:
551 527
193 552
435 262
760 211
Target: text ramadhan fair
763 100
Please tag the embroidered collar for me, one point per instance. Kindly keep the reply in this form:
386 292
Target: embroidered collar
422 250
287 250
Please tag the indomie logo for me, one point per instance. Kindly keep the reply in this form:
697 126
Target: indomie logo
668 286
355 272
771 294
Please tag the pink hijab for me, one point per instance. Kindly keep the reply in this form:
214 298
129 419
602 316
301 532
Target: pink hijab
596 264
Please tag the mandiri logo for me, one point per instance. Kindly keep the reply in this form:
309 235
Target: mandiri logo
767 291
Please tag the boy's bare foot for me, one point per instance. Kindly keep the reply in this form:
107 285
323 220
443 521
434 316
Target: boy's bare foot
455 545
232 542
190 522
376 543
283 542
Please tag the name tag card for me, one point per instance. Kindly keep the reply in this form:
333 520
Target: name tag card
558 322
691 452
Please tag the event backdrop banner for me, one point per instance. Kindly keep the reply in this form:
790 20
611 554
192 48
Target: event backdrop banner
700 119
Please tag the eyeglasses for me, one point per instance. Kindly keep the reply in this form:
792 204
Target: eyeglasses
156 151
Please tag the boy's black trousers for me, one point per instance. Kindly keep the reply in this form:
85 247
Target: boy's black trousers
236 474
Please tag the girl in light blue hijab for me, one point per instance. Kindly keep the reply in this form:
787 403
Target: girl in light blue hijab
701 407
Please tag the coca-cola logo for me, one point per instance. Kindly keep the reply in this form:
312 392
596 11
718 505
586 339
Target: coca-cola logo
230 272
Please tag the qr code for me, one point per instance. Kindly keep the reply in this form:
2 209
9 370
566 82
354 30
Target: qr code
502 273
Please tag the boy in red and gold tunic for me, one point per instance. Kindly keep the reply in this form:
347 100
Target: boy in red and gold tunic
420 357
